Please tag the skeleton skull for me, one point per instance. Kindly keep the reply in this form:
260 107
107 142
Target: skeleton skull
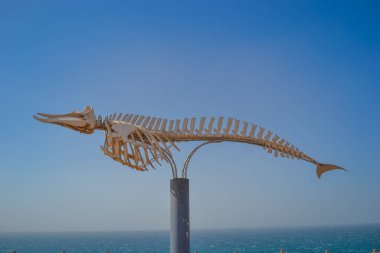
84 122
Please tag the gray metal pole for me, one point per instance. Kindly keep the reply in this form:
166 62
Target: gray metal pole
179 216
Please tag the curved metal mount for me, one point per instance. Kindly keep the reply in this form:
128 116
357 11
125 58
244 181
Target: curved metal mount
186 165
171 161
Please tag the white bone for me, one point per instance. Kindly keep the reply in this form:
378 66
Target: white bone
124 117
184 125
155 144
286 149
150 126
128 119
209 128
297 153
145 122
171 124
163 126
122 130
192 125
252 132
267 136
236 127
219 126
275 138
177 124
163 143
260 134
157 124
292 151
228 127
201 125
244 130
116 148
140 137
141 118
99 122
134 119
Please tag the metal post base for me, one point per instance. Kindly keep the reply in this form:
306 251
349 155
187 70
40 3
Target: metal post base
179 216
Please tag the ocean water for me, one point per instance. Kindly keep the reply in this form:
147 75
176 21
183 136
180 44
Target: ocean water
337 239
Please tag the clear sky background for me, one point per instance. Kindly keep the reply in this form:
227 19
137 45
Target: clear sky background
307 70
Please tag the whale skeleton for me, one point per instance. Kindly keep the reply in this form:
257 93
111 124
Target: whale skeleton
139 141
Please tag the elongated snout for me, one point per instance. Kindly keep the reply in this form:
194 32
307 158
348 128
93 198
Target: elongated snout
62 120
83 122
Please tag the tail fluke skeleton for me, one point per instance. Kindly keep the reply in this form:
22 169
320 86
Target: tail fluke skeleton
322 168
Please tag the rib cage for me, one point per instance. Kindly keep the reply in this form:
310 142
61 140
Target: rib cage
138 141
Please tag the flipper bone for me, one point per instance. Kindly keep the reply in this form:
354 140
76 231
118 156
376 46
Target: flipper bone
116 148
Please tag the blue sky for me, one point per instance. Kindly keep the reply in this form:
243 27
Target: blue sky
307 70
